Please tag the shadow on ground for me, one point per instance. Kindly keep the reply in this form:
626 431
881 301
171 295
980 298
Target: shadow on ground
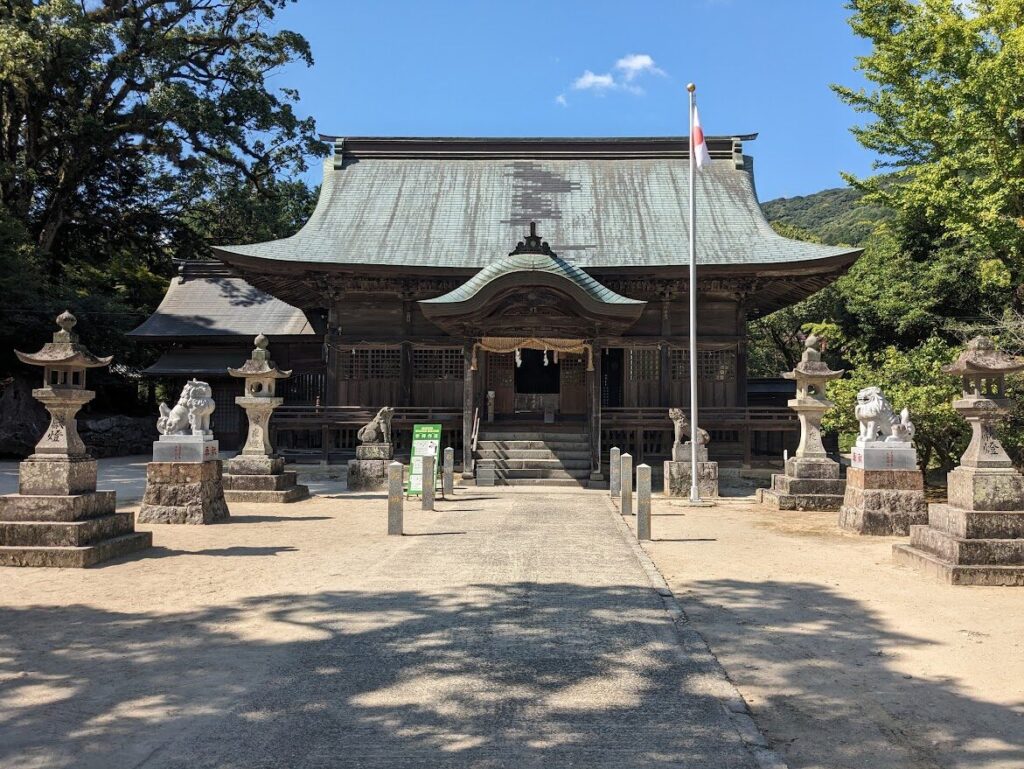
495 675
835 696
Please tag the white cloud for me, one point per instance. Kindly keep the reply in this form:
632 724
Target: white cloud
636 64
589 81
561 101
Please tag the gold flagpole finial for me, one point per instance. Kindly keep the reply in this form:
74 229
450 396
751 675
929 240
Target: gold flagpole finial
691 87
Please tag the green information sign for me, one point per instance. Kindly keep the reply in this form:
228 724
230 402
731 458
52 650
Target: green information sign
426 439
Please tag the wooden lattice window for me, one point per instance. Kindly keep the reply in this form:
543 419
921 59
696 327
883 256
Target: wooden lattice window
368 363
437 364
643 365
572 370
500 371
712 365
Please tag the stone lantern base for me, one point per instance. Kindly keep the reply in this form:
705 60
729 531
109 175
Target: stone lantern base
183 492
261 479
807 484
52 527
977 538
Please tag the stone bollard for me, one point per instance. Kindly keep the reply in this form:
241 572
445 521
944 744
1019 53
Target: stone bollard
396 497
448 473
626 480
615 472
643 502
428 481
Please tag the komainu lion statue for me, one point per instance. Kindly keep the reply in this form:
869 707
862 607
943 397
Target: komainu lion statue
681 429
379 428
190 414
878 421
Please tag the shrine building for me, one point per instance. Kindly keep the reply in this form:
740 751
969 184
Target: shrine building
524 286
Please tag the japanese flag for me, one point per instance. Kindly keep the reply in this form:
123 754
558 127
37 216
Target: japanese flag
700 147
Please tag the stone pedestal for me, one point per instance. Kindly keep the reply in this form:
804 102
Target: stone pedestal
54 527
183 492
369 470
260 479
884 490
677 478
977 537
807 484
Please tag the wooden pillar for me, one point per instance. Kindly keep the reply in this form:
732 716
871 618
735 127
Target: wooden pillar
594 409
665 360
741 378
330 357
405 377
468 391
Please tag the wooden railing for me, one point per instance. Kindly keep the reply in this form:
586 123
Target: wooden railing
328 433
756 417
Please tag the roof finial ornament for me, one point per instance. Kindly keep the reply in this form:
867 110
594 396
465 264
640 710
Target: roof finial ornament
532 244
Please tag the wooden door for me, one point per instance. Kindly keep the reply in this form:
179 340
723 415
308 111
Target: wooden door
572 384
501 379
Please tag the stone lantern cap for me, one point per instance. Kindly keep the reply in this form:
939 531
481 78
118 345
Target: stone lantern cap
64 351
259 363
980 357
811 364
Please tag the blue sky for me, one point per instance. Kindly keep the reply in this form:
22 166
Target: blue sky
460 68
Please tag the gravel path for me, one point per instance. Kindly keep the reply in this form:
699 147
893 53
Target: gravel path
507 630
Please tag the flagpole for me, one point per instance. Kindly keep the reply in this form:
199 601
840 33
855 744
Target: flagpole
694 489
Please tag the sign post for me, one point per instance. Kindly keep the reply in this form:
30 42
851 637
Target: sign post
426 439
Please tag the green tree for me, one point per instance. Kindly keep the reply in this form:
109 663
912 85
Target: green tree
947 119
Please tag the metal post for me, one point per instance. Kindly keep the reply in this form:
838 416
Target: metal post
694 490
626 478
448 478
428 481
615 471
396 498
643 502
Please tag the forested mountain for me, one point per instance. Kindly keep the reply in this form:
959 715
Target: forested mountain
836 216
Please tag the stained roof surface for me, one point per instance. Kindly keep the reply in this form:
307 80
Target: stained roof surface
207 300
600 203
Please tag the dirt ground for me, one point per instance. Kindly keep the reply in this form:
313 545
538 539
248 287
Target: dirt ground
848 661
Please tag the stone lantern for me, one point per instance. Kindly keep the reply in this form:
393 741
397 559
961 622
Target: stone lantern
811 480
58 518
977 536
257 474
60 463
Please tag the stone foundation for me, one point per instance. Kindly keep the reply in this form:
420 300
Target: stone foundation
63 476
368 474
677 479
883 502
260 479
970 540
66 530
183 492
807 484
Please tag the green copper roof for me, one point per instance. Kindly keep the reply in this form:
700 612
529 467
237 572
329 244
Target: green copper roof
460 203
541 263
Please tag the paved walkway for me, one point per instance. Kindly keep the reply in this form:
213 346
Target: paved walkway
507 630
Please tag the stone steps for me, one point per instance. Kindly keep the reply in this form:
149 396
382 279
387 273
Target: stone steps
290 494
536 458
75 557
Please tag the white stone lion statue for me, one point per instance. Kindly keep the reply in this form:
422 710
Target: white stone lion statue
878 421
190 414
